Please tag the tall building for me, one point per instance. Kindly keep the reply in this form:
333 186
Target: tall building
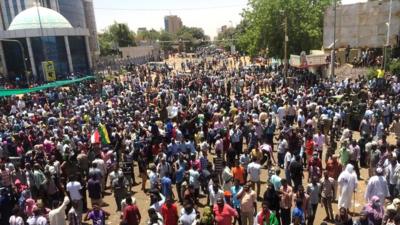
91 26
33 31
172 24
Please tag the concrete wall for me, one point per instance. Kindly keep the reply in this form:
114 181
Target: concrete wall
362 25
140 51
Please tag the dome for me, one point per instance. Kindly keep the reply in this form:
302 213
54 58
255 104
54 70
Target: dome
39 17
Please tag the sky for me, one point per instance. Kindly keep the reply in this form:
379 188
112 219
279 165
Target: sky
207 14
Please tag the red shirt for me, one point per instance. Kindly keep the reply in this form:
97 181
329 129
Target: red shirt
224 216
132 215
170 215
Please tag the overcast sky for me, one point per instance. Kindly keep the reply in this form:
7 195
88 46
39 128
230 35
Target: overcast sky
207 14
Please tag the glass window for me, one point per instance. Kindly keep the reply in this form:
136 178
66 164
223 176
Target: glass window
73 11
15 59
23 7
8 11
79 55
52 49
15 7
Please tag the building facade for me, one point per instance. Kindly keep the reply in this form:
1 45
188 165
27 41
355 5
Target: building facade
62 31
362 25
172 24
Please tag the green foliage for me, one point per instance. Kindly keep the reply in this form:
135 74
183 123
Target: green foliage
263 25
166 40
148 35
116 35
372 73
394 67
226 37
192 37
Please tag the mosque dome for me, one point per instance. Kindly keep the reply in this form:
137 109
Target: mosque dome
39 17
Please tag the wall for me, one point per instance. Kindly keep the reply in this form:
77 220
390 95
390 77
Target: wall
139 51
362 25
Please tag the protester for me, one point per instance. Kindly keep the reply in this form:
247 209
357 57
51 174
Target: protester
266 216
199 131
223 213
347 186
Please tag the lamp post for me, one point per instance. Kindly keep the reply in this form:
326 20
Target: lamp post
387 36
286 40
333 55
286 48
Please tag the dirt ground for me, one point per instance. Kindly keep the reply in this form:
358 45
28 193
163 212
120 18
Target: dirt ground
143 200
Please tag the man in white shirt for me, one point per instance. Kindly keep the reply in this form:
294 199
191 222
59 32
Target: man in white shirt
57 215
74 191
37 218
153 177
319 140
287 160
281 112
254 170
392 173
282 146
103 168
214 193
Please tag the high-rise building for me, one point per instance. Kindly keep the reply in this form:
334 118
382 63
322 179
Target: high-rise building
33 31
91 26
172 24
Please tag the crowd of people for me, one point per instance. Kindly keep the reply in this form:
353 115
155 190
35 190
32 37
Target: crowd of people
199 138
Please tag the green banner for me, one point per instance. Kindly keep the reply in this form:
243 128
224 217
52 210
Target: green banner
60 83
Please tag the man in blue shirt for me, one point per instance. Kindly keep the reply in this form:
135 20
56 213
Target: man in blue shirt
235 201
298 212
179 175
276 180
166 186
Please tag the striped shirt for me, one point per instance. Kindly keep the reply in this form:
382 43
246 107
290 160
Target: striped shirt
6 177
218 164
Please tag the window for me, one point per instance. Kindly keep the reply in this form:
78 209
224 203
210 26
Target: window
8 12
78 54
52 49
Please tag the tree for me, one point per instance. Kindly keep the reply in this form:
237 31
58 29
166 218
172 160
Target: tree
192 37
167 40
148 35
106 45
115 36
264 20
226 38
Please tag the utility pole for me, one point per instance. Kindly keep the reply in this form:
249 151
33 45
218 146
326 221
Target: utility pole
333 55
286 50
387 36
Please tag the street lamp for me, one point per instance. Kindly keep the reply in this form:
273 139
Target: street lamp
387 36
286 40
333 55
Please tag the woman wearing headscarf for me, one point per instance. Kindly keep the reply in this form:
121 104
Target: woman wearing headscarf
375 210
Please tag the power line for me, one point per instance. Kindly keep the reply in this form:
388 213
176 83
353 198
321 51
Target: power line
168 9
